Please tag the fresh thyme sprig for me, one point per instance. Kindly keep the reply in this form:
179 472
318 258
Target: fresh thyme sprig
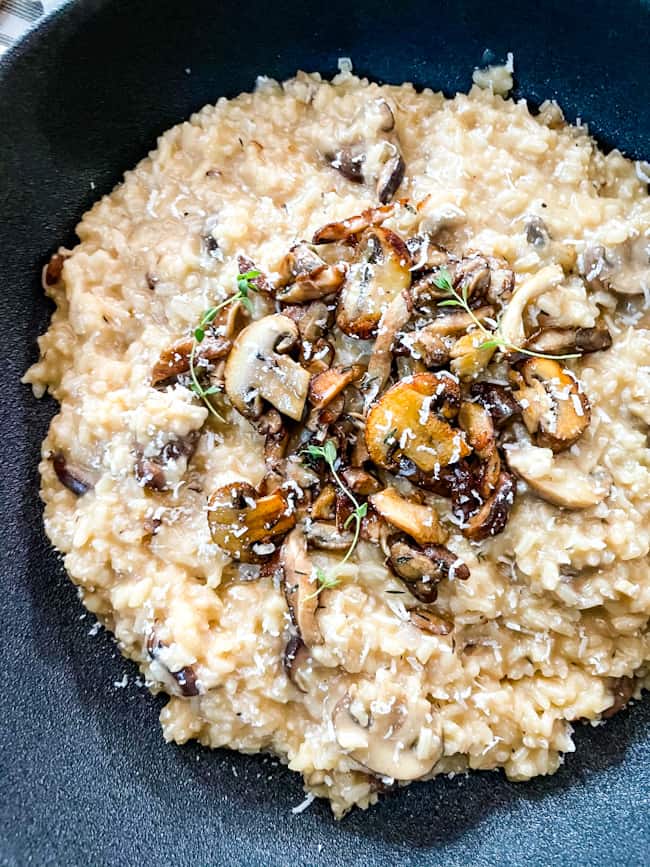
329 455
244 286
495 339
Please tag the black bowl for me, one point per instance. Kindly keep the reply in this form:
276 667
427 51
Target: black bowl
86 776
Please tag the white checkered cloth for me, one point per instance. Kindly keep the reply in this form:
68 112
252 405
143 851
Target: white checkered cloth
16 16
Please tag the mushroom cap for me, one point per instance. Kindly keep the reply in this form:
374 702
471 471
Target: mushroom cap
389 743
259 369
419 521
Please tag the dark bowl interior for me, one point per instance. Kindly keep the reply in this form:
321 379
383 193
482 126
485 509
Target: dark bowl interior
86 776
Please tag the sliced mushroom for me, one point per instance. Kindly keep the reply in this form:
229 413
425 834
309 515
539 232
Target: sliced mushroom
512 321
390 177
457 322
387 743
72 478
624 269
537 233
349 162
470 355
352 226
563 341
360 481
244 525
394 317
554 407
323 505
623 689
418 520
258 368
182 681
423 569
557 481
175 360
262 282
304 276
477 423
163 469
300 589
426 621
54 269
324 387
497 400
295 660
406 422
379 274
327 536
492 517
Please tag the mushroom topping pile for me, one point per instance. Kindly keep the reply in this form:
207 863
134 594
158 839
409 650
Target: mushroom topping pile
418 441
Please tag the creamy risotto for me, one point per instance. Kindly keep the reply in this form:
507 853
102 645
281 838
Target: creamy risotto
352 451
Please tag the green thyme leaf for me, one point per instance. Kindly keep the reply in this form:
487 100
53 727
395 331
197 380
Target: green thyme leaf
199 334
443 280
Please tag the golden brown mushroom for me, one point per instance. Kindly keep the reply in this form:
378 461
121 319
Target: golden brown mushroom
325 386
418 520
557 481
300 587
554 407
245 525
422 569
410 421
379 274
258 368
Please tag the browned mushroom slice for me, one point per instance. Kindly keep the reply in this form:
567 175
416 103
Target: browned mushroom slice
323 505
497 400
433 349
624 268
426 621
54 269
511 326
349 162
395 317
387 743
477 423
295 660
262 282
472 276
245 525
258 368
175 360
300 588
623 689
360 481
406 422
563 341
181 681
324 387
346 229
327 536
418 520
162 470
457 322
423 569
492 517
304 276
390 176
470 355
72 478
379 274
554 407
275 434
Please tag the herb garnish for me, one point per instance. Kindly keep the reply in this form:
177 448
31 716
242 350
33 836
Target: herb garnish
329 455
244 286
495 340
